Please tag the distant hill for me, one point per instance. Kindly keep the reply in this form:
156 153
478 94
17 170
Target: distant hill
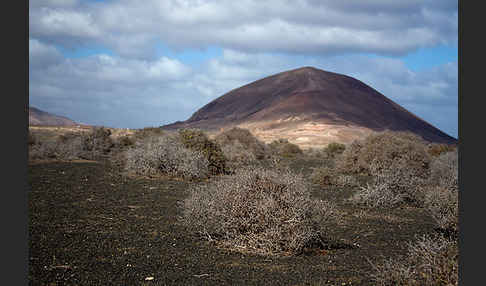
310 107
39 117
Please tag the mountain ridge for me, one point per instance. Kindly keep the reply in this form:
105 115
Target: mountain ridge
40 117
304 98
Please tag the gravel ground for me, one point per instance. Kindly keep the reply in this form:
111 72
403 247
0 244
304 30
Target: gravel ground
89 225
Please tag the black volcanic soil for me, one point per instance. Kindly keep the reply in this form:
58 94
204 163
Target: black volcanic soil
315 95
88 225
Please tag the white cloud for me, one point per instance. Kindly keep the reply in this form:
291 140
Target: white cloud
318 27
41 55
60 22
104 89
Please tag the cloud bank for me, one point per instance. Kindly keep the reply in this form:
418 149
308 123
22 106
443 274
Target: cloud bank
137 86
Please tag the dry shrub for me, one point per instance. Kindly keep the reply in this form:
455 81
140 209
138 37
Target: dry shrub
323 176
241 147
443 206
441 197
333 149
90 145
245 138
398 164
315 153
431 260
377 195
436 149
349 162
444 170
147 132
392 185
258 211
237 155
283 147
43 150
124 141
384 148
32 139
198 141
97 142
327 176
165 155
346 180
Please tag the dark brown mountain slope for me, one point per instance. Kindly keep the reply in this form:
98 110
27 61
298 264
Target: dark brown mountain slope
39 117
309 107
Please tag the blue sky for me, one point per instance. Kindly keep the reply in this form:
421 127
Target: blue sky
122 64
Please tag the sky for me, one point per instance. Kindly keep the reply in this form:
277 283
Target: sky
135 64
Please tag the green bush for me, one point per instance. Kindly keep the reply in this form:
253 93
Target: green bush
258 211
197 140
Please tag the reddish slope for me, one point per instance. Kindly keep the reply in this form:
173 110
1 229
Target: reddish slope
39 117
310 95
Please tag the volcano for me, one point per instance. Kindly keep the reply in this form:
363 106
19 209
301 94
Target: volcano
311 108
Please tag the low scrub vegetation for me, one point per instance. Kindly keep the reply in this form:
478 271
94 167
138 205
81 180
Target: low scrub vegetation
165 155
324 176
198 141
431 260
241 147
147 132
86 145
244 197
258 211
333 149
436 149
282 147
245 138
398 164
384 149
442 195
